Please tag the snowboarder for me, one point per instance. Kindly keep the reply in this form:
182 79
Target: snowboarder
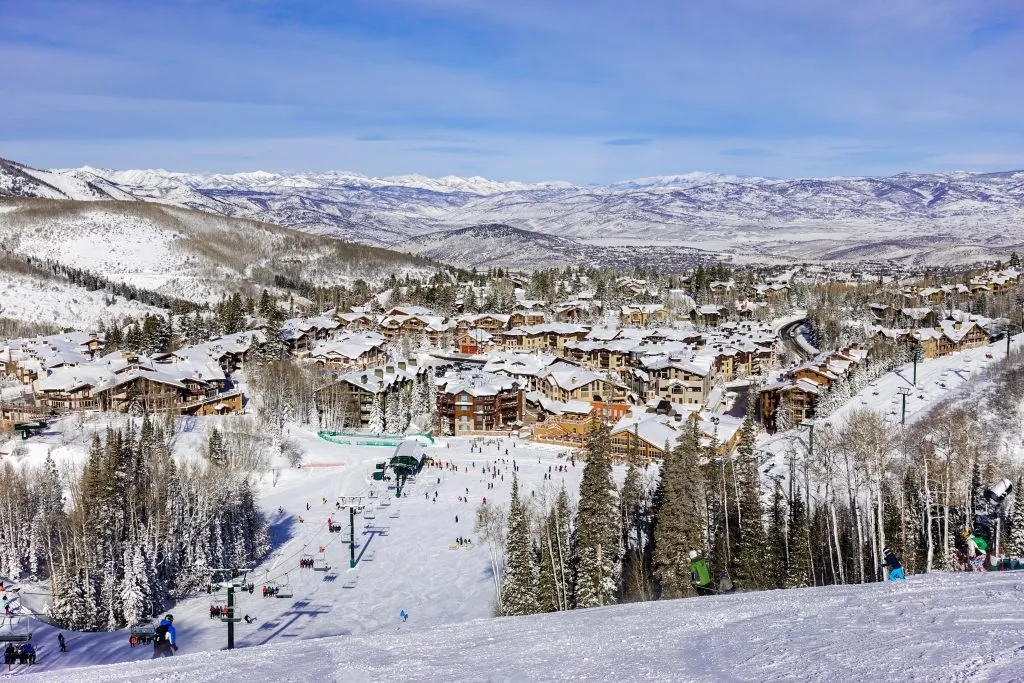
404 615
163 640
894 566
976 549
60 640
249 619
700 575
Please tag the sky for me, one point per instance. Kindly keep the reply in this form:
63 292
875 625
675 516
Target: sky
589 91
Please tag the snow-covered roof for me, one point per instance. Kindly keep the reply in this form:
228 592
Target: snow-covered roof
476 383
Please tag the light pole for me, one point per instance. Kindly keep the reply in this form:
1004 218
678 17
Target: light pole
904 392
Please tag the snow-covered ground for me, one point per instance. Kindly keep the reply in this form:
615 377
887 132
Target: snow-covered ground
405 562
61 303
940 627
937 379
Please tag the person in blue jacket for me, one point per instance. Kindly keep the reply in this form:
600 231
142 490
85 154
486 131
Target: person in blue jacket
164 641
893 564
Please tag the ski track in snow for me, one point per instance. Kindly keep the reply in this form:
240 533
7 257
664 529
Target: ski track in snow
405 561
940 627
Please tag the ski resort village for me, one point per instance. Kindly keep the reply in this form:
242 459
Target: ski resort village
318 471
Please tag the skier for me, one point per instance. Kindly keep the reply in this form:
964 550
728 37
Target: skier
894 565
700 575
725 582
976 549
164 641
29 653
60 640
404 615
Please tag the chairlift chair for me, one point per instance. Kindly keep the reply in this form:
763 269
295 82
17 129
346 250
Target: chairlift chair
285 590
320 564
305 561
20 632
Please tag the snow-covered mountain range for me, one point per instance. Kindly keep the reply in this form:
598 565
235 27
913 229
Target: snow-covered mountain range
926 218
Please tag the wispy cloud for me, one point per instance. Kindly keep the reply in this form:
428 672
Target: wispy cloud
628 142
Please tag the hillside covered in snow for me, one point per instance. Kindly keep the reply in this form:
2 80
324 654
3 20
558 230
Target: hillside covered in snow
184 253
939 627
932 219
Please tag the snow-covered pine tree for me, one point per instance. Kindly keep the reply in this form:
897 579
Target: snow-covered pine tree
596 547
404 409
679 519
519 584
798 572
216 450
750 558
392 412
1015 544
376 420
134 594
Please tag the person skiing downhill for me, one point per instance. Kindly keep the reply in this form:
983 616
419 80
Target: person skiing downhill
700 574
164 639
976 549
895 568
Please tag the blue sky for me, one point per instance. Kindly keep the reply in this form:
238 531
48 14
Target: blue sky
580 90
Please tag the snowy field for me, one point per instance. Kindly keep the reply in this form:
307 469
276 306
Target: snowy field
954 375
404 557
62 304
940 627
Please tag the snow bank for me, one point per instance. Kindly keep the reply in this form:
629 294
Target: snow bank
940 627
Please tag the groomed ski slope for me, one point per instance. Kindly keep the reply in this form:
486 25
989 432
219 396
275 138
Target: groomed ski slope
405 559
940 627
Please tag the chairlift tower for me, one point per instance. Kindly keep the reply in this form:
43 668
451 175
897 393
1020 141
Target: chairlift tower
232 584
904 392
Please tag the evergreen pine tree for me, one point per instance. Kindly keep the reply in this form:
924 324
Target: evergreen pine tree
519 583
215 449
679 516
1015 545
596 547
751 557
778 558
376 420
799 570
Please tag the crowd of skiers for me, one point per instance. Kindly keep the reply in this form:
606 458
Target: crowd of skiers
22 654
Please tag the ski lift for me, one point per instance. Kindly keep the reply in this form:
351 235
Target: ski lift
143 634
285 591
305 561
218 608
368 513
320 563
20 632
229 615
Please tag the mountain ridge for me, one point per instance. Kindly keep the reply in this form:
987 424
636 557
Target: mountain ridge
925 217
